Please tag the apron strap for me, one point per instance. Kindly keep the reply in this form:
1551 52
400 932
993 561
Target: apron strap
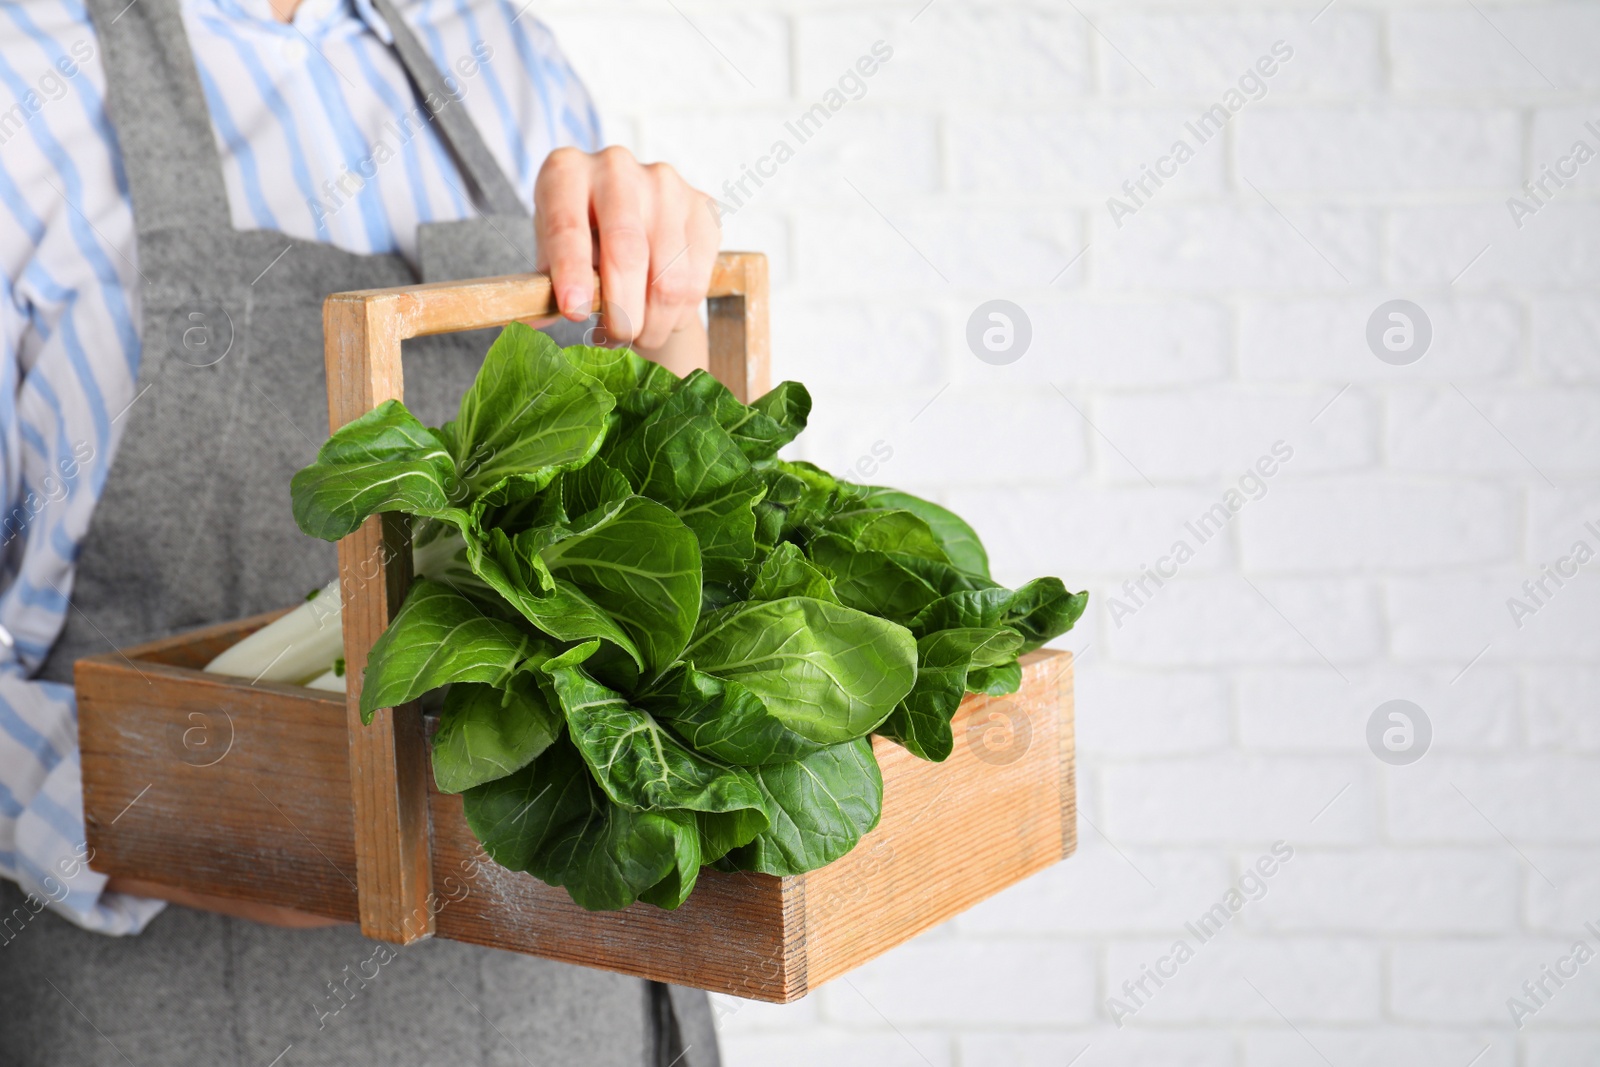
492 191
154 100
164 128
684 1031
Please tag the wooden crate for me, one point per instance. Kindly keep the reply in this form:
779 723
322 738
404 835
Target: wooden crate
278 794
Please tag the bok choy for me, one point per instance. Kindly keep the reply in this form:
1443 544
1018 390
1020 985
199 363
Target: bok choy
662 646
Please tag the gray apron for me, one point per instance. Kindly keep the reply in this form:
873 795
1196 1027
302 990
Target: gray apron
194 527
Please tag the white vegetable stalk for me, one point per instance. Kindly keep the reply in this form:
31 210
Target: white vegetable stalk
297 648
306 646
332 681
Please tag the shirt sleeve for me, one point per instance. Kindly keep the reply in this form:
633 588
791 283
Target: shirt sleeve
553 108
580 120
69 355
49 857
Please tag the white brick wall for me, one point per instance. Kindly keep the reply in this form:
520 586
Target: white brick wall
1228 312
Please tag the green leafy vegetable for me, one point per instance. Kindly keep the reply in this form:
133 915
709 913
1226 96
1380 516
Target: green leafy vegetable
514 569
819 806
679 453
486 732
786 572
384 461
724 522
633 757
439 637
529 415
640 564
551 820
724 719
662 647
945 662
1039 610
958 540
827 672
995 681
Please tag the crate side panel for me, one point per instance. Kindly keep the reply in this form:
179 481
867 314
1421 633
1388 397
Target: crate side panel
953 833
215 786
737 933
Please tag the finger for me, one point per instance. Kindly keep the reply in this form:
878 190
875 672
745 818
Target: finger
619 215
705 240
561 228
672 294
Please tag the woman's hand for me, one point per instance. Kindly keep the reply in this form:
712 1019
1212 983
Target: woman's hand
653 238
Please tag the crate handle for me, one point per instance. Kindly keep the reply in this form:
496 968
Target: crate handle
362 333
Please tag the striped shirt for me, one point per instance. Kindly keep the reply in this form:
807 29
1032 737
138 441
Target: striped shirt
304 117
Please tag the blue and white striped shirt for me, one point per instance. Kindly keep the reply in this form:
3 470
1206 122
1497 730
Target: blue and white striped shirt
304 118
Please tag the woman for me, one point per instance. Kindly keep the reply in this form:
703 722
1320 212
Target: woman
181 183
